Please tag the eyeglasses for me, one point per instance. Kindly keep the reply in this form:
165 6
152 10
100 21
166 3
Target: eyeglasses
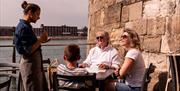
124 36
99 37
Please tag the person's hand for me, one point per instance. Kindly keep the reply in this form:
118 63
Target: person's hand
83 65
103 66
44 37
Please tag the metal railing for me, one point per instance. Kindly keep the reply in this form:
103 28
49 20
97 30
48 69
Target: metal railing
14 49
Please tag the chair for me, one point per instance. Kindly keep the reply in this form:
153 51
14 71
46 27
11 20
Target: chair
46 63
6 76
89 80
5 85
173 81
147 78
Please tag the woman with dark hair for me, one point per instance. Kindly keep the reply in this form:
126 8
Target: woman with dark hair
29 48
133 67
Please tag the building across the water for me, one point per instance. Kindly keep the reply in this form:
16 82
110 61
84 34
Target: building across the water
52 30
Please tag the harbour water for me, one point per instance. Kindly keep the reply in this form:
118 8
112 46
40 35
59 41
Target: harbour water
52 52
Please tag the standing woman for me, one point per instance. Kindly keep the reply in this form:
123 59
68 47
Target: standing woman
29 48
133 67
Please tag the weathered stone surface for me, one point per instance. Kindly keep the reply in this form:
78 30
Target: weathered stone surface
102 17
129 25
158 81
167 7
110 2
150 26
119 1
125 14
164 44
152 44
175 24
95 5
97 19
174 44
135 11
151 8
156 26
158 77
177 12
140 26
159 60
160 25
112 14
133 1
115 36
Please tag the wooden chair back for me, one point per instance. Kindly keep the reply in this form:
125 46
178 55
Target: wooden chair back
147 78
88 80
5 84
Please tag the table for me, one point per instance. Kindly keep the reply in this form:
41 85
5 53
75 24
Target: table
102 76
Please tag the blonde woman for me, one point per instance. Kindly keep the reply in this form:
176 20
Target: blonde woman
133 67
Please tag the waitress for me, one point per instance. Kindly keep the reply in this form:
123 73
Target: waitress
29 48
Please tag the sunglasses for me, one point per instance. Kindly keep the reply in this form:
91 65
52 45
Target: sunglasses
124 36
99 37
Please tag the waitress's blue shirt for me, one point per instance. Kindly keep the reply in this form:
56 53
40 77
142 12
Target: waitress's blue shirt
24 37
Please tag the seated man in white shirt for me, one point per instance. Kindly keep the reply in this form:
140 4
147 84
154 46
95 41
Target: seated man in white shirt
102 55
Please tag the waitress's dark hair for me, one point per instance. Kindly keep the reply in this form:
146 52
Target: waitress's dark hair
29 6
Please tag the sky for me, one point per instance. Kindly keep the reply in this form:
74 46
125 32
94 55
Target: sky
53 12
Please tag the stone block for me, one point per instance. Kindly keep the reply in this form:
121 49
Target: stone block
164 44
112 14
97 18
95 6
151 26
177 12
126 2
110 2
102 17
175 24
129 25
156 26
160 25
135 11
133 1
177 44
119 1
152 43
167 7
125 14
91 20
115 35
151 8
140 26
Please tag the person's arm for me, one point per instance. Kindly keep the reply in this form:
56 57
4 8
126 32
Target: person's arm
126 67
43 39
87 61
115 59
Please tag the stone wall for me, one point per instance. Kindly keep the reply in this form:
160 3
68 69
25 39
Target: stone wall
156 21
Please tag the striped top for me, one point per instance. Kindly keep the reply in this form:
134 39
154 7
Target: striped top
63 70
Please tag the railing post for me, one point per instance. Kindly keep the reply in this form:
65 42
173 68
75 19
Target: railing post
14 50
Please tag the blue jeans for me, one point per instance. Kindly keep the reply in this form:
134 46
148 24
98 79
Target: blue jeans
123 87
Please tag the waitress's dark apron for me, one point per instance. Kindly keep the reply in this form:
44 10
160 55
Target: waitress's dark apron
32 73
